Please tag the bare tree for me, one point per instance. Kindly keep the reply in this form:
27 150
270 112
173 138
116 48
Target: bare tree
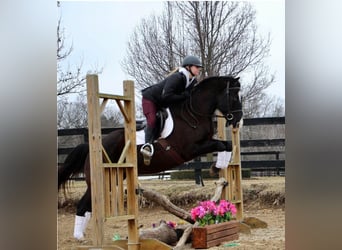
69 80
277 109
112 117
72 114
222 33
75 114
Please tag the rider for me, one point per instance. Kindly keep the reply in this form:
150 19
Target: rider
173 89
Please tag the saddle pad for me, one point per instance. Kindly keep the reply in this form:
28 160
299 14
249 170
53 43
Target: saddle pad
168 127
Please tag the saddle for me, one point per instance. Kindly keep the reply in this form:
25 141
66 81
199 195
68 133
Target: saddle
161 117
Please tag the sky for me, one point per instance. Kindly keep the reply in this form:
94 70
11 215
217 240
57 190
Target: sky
99 31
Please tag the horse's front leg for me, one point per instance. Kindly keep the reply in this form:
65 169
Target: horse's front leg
212 146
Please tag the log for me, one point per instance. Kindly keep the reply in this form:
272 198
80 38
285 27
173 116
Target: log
181 243
181 213
220 185
167 204
163 233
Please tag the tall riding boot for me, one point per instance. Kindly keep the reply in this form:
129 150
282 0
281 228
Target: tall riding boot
149 135
147 149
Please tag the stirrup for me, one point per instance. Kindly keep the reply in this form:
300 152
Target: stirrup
147 149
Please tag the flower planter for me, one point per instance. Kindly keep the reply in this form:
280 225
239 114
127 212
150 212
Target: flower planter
215 234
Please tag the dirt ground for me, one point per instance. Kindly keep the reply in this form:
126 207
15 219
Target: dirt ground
264 198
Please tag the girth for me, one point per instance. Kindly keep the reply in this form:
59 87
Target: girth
171 151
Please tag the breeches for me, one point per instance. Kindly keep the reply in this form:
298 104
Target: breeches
150 111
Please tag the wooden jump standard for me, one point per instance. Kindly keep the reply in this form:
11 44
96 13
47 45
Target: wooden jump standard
107 178
233 172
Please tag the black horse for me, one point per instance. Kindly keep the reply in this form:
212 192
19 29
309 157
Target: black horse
191 136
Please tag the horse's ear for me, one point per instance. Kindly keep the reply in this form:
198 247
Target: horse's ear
237 78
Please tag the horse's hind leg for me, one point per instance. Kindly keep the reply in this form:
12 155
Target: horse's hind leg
82 215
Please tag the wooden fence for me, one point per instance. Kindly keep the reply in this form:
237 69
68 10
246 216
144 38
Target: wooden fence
262 146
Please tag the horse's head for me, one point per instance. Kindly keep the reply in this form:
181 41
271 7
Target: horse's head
229 100
221 93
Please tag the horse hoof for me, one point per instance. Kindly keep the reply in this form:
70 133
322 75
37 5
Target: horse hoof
213 171
79 237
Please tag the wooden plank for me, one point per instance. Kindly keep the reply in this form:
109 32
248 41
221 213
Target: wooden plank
105 155
263 121
145 244
235 176
221 135
103 104
120 193
219 227
118 165
124 151
264 164
114 196
100 248
107 192
115 97
262 143
72 131
95 154
263 153
212 235
121 218
216 242
223 233
123 111
131 173
244 164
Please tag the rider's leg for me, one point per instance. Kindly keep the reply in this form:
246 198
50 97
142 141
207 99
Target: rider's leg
150 111
149 134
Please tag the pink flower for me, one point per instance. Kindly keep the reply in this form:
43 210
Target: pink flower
233 209
209 212
172 224
197 212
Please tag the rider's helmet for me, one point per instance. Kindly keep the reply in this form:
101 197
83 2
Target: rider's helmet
191 60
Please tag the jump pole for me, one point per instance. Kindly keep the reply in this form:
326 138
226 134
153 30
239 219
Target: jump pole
233 172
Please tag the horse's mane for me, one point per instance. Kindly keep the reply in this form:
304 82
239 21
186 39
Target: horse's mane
213 82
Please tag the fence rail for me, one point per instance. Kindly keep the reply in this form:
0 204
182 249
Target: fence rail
269 152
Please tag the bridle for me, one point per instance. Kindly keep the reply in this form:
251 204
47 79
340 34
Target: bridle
229 116
192 112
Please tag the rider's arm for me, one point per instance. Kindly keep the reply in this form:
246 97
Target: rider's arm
174 89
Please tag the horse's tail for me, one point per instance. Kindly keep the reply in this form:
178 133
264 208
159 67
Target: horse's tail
73 164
